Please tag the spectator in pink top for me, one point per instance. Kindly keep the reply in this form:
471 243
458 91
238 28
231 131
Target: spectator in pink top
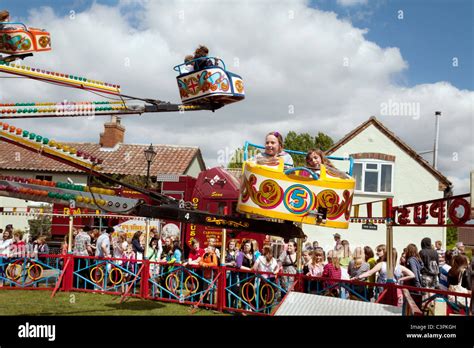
332 270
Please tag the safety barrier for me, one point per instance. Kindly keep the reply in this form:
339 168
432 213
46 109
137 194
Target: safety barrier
108 275
30 272
189 285
219 288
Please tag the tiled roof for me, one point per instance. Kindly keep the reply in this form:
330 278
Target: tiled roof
126 159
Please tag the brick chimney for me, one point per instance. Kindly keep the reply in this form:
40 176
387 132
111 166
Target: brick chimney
113 134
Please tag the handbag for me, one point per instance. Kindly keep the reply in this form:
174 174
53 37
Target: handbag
460 289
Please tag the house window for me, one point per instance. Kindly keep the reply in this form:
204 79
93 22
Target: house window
44 177
373 177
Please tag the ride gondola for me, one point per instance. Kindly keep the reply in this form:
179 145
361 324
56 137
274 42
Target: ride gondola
297 194
206 80
19 41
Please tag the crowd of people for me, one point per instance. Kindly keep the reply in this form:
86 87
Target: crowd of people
430 267
12 244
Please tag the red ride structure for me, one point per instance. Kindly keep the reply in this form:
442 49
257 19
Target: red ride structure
214 190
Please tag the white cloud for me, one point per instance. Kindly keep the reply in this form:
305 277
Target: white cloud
288 54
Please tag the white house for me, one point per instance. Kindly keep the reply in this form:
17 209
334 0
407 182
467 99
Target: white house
385 166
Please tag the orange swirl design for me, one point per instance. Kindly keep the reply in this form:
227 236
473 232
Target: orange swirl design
44 41
239 86
269 195
329 199
246 187
225 85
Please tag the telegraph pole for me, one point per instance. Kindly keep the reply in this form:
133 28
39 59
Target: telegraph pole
435 150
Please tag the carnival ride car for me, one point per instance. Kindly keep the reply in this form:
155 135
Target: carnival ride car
212 84
272 191
19 41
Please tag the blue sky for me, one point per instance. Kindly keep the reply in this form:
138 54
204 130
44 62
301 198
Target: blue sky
431 34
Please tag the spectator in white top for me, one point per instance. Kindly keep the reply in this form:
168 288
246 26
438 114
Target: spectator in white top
439 249
5 243
459 249
103 243
119 246
189 65
267 263
212 242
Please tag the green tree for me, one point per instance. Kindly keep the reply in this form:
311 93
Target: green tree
451 236
304 142
41 226
237 159
323 141
299 142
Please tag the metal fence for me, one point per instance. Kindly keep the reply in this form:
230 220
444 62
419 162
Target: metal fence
219 288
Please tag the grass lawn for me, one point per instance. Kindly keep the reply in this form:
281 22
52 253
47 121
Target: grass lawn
24 302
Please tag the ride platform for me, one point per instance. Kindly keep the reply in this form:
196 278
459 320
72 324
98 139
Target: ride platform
297 303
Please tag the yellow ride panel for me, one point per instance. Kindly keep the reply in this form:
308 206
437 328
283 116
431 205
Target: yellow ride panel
268 191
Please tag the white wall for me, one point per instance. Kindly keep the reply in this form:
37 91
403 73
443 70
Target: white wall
412 183
194 169
20 222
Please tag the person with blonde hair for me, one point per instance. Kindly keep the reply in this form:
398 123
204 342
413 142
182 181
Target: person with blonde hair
332 270
18 247
316 265
344 254
212 242
315 269
189 64
267 263
357 266
401 273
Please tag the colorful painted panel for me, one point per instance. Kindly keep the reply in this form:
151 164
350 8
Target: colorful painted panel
208 83
18 41
271 193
